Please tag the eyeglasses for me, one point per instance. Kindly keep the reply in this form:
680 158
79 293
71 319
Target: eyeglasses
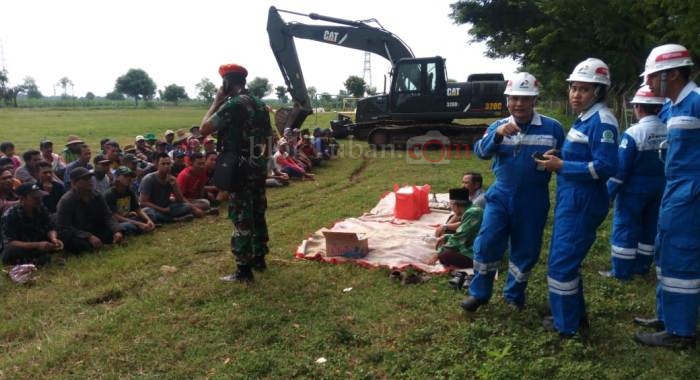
5 178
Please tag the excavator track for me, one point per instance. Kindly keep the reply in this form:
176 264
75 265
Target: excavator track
404 134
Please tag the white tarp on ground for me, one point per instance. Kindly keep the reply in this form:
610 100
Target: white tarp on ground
394 243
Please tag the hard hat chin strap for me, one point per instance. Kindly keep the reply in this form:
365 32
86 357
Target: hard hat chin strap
663 84
595 99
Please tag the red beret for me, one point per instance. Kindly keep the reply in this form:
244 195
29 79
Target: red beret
230 68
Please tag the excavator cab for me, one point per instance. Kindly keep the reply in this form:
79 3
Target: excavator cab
418 86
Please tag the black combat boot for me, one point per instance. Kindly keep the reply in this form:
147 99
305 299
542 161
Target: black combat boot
259 263
242 274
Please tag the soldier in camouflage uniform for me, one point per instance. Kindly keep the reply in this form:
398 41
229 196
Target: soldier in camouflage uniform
242 123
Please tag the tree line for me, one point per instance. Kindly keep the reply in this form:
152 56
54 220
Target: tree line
138 85
549 37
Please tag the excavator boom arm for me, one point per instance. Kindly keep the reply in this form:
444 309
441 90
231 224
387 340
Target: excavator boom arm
350 34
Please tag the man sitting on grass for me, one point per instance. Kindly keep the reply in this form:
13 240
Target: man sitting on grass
455 249
29 236
191 182
49 184
85 222
122 200
83 161
154 195
28 171
102 178
285 164
8 198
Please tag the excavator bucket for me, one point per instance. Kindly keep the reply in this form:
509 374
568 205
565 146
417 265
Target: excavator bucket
288 117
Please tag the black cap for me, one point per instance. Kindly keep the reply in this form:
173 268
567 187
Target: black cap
79 173
460 195
129 157
179 153
100 159
123 170
28 189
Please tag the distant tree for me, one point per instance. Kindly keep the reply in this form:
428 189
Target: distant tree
136 84
206 90
312 92
260 87
281 93
326 97
90 96
64 83
355 86
173 93
548 39
115 95
31 89
7 93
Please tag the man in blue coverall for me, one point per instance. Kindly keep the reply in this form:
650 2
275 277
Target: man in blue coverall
667 73
518 202
637 189
588 159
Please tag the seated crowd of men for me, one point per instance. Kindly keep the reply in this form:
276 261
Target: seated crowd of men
77 202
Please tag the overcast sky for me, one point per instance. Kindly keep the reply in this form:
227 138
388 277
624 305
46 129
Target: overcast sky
94 42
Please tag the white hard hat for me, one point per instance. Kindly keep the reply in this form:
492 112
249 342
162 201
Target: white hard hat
523 84
666 57
645 96
592 70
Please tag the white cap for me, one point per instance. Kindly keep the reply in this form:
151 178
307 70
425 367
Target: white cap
645 96
523 84
592 70
139 138
169 132
666 57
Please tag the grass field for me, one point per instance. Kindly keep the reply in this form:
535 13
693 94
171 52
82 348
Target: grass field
115 314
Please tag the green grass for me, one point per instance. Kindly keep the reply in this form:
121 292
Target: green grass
116 315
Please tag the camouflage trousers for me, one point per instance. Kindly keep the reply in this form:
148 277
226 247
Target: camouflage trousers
247 211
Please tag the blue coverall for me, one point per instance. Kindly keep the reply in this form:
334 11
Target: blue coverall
590 158
516 205
638 186
678 240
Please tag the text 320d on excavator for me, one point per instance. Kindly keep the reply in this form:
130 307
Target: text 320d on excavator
420 98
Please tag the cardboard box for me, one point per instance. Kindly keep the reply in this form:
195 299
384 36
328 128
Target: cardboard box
346 244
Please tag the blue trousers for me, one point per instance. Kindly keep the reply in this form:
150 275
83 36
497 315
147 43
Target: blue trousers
517 217
633 233
678 258
579 212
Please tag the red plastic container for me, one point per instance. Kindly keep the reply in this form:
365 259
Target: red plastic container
411 201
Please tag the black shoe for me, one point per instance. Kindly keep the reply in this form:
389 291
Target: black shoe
611 274
606 273
583 327
472 303
242 274
517 306
457 281
653 323
259 264
664 339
